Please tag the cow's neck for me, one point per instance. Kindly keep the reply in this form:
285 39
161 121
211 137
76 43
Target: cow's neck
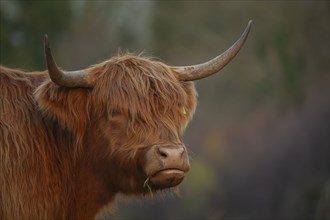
93 190
91 193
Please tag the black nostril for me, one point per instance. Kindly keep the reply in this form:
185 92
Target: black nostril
162 152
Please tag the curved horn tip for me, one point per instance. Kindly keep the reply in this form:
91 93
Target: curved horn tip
249 24
46 46
247 29
46 39
199 71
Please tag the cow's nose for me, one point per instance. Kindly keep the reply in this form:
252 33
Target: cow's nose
170 154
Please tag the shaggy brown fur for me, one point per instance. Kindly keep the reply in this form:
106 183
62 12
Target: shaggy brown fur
65 153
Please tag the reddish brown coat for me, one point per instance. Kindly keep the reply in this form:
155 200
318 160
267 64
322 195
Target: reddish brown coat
66 152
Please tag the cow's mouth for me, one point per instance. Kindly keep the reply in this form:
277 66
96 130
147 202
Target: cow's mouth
167 178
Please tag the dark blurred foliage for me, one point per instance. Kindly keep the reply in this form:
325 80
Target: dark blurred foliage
259 141
23 25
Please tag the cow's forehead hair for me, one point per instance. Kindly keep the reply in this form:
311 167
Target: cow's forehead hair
141 87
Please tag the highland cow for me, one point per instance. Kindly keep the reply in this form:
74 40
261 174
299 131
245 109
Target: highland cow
70 141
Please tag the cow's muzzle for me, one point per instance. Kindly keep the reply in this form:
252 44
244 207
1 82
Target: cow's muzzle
167 165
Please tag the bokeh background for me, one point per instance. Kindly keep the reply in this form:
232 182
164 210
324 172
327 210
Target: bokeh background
259 141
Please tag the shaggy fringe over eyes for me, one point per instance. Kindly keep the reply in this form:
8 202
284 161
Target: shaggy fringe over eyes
145 91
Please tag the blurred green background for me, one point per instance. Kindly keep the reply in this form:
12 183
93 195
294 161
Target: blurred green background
259 141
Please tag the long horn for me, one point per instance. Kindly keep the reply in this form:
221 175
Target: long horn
195 72
72 79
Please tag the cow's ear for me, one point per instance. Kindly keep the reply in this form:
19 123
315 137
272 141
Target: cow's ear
68 106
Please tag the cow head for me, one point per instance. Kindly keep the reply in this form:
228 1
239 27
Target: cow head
132 111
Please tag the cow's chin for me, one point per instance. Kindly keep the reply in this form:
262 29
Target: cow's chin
167 178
